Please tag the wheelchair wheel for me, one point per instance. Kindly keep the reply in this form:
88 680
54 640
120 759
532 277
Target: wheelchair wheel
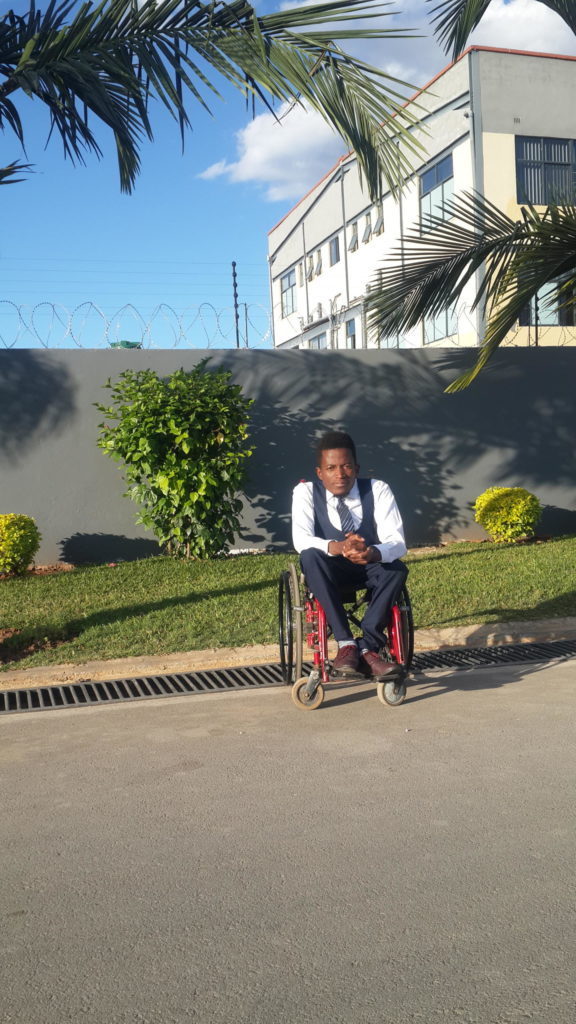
401 631
290 624
301 698
401 645
392 693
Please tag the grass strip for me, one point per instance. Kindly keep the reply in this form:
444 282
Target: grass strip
162 605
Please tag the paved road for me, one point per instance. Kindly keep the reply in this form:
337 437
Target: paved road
228 858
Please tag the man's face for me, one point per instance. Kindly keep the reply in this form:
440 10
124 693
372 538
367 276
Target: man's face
338 471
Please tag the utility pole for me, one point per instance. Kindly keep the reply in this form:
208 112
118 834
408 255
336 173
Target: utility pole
236 314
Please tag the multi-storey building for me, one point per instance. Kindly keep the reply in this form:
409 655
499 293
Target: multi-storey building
500 122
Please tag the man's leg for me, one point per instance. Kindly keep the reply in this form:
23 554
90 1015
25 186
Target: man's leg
325 575
384 581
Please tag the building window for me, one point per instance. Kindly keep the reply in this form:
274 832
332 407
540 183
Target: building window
288 292
379 225
545 170
318 268
547 310
318 341
334 250
310 268
436 186
367 229
350 334
301 274
443 325
353 243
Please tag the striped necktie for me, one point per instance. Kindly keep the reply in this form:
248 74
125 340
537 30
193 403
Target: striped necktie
346 520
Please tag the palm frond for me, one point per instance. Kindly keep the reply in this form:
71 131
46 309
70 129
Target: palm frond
455 20
544 259
108 60
428 271
516 259
7 173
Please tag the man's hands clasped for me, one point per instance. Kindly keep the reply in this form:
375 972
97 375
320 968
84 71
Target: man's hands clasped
355 549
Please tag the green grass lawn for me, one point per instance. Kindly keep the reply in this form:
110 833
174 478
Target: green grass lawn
159 605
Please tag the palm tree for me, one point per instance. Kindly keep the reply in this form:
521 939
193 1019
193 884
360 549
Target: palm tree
517 260
106 62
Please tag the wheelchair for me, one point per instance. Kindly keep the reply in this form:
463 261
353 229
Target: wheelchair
300 613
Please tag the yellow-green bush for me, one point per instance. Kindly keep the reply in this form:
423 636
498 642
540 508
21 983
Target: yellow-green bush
19 542
507 513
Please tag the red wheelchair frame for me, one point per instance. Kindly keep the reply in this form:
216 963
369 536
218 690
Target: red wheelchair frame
298 606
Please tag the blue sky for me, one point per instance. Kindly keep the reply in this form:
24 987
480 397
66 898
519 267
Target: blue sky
69 237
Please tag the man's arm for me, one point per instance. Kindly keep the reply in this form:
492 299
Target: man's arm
388 523
303 523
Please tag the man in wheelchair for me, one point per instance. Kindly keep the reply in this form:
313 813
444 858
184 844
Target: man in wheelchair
349 535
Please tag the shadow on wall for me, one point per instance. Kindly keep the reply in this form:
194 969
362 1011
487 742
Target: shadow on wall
513 421
523 410
557 521
98 548
307 394
37 398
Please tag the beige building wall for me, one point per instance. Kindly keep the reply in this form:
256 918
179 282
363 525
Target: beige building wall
474 110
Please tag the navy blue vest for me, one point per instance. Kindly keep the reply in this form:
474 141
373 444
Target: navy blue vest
322 525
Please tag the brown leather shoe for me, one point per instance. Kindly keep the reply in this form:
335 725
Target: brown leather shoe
347 661
376 668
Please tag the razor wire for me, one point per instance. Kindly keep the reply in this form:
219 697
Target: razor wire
86 326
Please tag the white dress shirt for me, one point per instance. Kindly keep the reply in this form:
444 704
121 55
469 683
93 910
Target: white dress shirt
386 516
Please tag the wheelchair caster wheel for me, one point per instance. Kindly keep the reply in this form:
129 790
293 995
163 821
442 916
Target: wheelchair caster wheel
301 698
392 693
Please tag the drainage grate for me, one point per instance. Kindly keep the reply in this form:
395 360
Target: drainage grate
475 657
117 691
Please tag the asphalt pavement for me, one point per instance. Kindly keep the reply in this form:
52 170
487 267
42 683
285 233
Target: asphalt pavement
229 858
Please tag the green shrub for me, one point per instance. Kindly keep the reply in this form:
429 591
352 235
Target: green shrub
19 542
183 442
507 513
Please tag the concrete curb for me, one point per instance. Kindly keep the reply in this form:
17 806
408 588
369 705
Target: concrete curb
479 635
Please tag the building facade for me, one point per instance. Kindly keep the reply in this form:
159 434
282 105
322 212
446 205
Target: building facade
499 122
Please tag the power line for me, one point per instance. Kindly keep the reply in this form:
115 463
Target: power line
69 259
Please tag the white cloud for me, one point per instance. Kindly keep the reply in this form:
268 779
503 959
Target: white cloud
287 158
214 171
524 25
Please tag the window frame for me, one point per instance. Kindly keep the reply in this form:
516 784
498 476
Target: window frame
316 337
379 225
350 334
438 178
450 318
564 316
538 192
289 290
334 248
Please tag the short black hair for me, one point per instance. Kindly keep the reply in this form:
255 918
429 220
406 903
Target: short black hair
334 439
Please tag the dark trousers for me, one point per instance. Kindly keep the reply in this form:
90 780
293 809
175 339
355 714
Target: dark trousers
327 576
